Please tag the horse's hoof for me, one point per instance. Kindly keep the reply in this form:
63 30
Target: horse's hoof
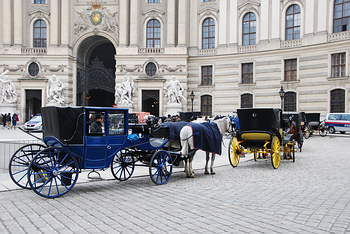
206 173
212 173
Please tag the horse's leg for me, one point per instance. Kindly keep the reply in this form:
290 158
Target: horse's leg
190 168
206 163
191 146
212 164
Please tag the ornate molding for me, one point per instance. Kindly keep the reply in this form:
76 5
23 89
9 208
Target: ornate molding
130 68
167 68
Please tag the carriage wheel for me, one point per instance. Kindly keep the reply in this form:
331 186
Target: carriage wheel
293 153
255 156
322 131
233 155
275 152
307 133
19 163
160 167
123 165
53 172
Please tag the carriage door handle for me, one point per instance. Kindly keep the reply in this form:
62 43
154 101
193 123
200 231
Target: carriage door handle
109 147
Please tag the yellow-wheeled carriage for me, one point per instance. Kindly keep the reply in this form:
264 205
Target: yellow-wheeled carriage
260 133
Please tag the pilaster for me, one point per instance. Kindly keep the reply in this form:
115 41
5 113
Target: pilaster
54 17
182 29
134 22
6 21
171 22
124 25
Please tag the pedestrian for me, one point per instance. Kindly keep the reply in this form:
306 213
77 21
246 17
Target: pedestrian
168 118
4 116
14 120
8 121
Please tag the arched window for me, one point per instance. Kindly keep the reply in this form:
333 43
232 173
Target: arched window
247 100
249 29
206 105
338 101
208 33
153 34
341 16
293 22
290 101
39 34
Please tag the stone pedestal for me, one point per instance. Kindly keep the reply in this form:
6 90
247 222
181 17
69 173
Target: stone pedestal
7 108
126 106
173 108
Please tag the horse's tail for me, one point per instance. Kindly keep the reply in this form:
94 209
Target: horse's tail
186 139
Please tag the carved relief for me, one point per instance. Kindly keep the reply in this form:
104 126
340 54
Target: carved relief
178 68
8 94
130 68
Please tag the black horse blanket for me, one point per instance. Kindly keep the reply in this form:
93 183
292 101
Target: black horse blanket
206 136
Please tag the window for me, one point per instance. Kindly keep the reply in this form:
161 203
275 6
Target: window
290 69
207 75
247 73
341 18
208 33
39 34
338 65
293 21
206 105
153 1
338 101
153 34
247 100
249 29
151 69
116 123
96 123
290 101
39 1
33 69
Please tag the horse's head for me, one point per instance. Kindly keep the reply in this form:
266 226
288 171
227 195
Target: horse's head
224 124
152 122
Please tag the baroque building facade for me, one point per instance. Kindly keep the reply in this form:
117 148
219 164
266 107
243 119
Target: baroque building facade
229 53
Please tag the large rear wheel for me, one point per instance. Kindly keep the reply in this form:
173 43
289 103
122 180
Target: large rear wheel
53 172
233 152
275 152
19 163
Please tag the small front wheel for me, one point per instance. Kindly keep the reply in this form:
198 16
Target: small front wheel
53 172
233 152
123 165
331 130
275 152
160 167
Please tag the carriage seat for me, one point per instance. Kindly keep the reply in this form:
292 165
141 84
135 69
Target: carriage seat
158 142
139 129
53 141
255 135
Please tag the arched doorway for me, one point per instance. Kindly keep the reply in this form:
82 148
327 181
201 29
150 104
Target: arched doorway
96 72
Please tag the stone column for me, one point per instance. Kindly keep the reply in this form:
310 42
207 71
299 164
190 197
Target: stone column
276 20
322 20
124 25
264 20
54 22
134 22
6 21
221 25
18 17
182 29
309 16
65 22
171 22
233 22
193 24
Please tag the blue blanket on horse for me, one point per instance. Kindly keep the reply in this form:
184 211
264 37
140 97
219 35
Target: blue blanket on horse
206 136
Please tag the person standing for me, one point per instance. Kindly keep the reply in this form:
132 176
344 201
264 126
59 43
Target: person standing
8 121
14 120
4 116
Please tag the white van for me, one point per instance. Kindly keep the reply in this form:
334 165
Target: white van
338 122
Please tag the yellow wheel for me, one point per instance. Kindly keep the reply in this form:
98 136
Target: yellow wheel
275 152
233 152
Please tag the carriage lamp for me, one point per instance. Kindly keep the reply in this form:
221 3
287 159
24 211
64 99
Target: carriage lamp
281 92
192 99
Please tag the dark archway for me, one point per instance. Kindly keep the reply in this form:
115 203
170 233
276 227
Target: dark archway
96 72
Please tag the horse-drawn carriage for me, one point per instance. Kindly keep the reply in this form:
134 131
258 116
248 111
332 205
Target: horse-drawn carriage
85 138
261 132
313 124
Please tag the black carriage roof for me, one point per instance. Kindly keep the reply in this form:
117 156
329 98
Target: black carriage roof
260 119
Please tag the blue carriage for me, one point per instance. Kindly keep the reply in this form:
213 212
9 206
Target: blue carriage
78 138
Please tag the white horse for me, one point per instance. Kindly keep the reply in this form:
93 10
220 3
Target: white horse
186 133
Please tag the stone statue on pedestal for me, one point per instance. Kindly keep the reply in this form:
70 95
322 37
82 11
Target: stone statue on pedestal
55 92
174 91
124 92
8 94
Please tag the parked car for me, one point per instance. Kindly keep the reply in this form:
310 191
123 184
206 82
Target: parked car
338 122
34 124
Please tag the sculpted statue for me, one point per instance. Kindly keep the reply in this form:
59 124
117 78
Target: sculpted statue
174 91
55 91
8 94
124 92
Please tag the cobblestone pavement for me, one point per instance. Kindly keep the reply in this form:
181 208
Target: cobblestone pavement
310 196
